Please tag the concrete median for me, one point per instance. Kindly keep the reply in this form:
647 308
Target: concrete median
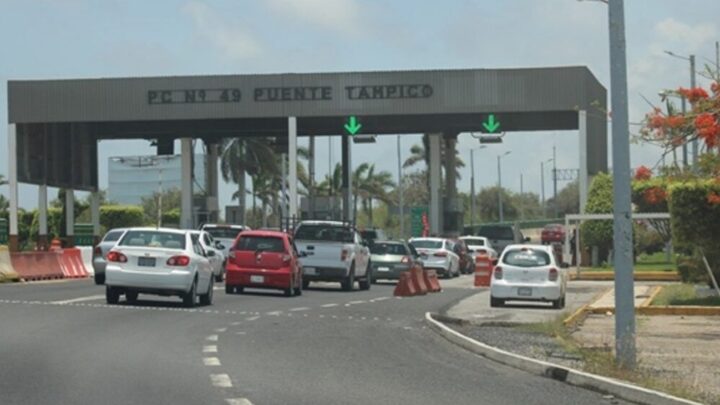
7 272
35 266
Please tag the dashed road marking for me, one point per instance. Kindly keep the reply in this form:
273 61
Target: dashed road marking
220 330
329 305
211 361
210 349
240 333
238 401
212 338
252 318
356 302
236 323
221 380
274 313
81 299
300 309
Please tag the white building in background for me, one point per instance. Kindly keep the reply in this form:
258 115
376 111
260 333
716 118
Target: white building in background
132 178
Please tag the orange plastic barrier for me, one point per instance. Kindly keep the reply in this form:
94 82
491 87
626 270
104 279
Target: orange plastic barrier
418 280
431 281
71 263
483 271
404 287
32 266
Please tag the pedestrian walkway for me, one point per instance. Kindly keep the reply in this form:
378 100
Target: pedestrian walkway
641 293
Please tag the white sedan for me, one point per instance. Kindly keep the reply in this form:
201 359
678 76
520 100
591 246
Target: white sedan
217 260
437 254
528 273
160 261
479 245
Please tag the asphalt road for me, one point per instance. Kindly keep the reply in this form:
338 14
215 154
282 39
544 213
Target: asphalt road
60 344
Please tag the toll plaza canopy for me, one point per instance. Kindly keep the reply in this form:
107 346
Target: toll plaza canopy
55 124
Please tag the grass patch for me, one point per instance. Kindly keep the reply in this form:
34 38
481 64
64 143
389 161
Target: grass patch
601 361
683 294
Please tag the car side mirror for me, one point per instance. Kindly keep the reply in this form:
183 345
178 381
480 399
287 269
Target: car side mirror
210 253
564 265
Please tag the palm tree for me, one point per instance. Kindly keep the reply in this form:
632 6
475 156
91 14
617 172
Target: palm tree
421 153
374 186
247 155
2 180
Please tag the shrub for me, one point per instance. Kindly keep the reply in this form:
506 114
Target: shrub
600 201
120 216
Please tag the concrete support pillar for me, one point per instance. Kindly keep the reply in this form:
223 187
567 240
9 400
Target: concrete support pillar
292 167
211 181
70 217
347 179
435 210
186 193
583 177
42 218
95 216
450 202
13 185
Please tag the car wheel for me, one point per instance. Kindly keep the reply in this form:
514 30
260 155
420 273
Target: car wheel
305 284
290 290
496 302
190 297
99 279
207 298
349 282
557 304
219 278
112 296
562 302
131 297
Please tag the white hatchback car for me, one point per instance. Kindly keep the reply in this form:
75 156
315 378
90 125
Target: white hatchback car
528 273
159 261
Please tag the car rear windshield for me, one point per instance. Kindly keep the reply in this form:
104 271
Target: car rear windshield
154 239
112 236
325 233
223 232
369 235
388 249
553 227
497 232
261 244
427 244
474 242
526 258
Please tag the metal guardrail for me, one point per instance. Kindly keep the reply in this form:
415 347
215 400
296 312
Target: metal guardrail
536 223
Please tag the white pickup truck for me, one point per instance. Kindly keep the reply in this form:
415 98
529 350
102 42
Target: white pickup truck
333 251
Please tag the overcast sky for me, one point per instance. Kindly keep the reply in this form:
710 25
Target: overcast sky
89 38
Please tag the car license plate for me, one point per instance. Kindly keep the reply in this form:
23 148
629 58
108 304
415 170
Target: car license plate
146 261
310 271
257 279
525 291
383 268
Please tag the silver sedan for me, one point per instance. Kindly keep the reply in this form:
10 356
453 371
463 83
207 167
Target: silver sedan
163 262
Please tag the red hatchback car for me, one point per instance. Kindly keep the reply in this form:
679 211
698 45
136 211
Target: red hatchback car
263 259
552 233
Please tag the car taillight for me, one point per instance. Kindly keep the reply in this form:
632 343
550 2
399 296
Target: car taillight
553 275
441 254
498 273
286 259
97 251
179 261
344 255
405 260
116 257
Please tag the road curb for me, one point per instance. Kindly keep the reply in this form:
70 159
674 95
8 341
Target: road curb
656 290
638 276
581 313
570 376
665 310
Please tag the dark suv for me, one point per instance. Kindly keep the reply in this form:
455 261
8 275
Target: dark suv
502 235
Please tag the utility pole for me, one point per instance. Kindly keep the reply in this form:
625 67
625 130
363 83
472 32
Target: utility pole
311 180
400 191
472 188
500 199
522 201
555 205
692 86
542 187
622 210
160 199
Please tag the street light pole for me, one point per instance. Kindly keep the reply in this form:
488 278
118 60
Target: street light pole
555 205
622 224
690 59
542 186
500 200
160 199
522 201
472 189
692 86
400 191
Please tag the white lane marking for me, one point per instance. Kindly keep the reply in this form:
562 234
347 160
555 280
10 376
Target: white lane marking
236 323
300 309
220 330
274 313
322 316
382 298
211 361
376 319
238 401
221 380
252 318
216 288
81 299
212 338
355 302
240 333
210 349
329 305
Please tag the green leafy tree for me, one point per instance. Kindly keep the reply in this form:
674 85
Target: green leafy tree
567 201
171 200
487 204
600 201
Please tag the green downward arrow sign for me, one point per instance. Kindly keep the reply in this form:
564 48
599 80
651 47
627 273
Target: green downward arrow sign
352 126
491 125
